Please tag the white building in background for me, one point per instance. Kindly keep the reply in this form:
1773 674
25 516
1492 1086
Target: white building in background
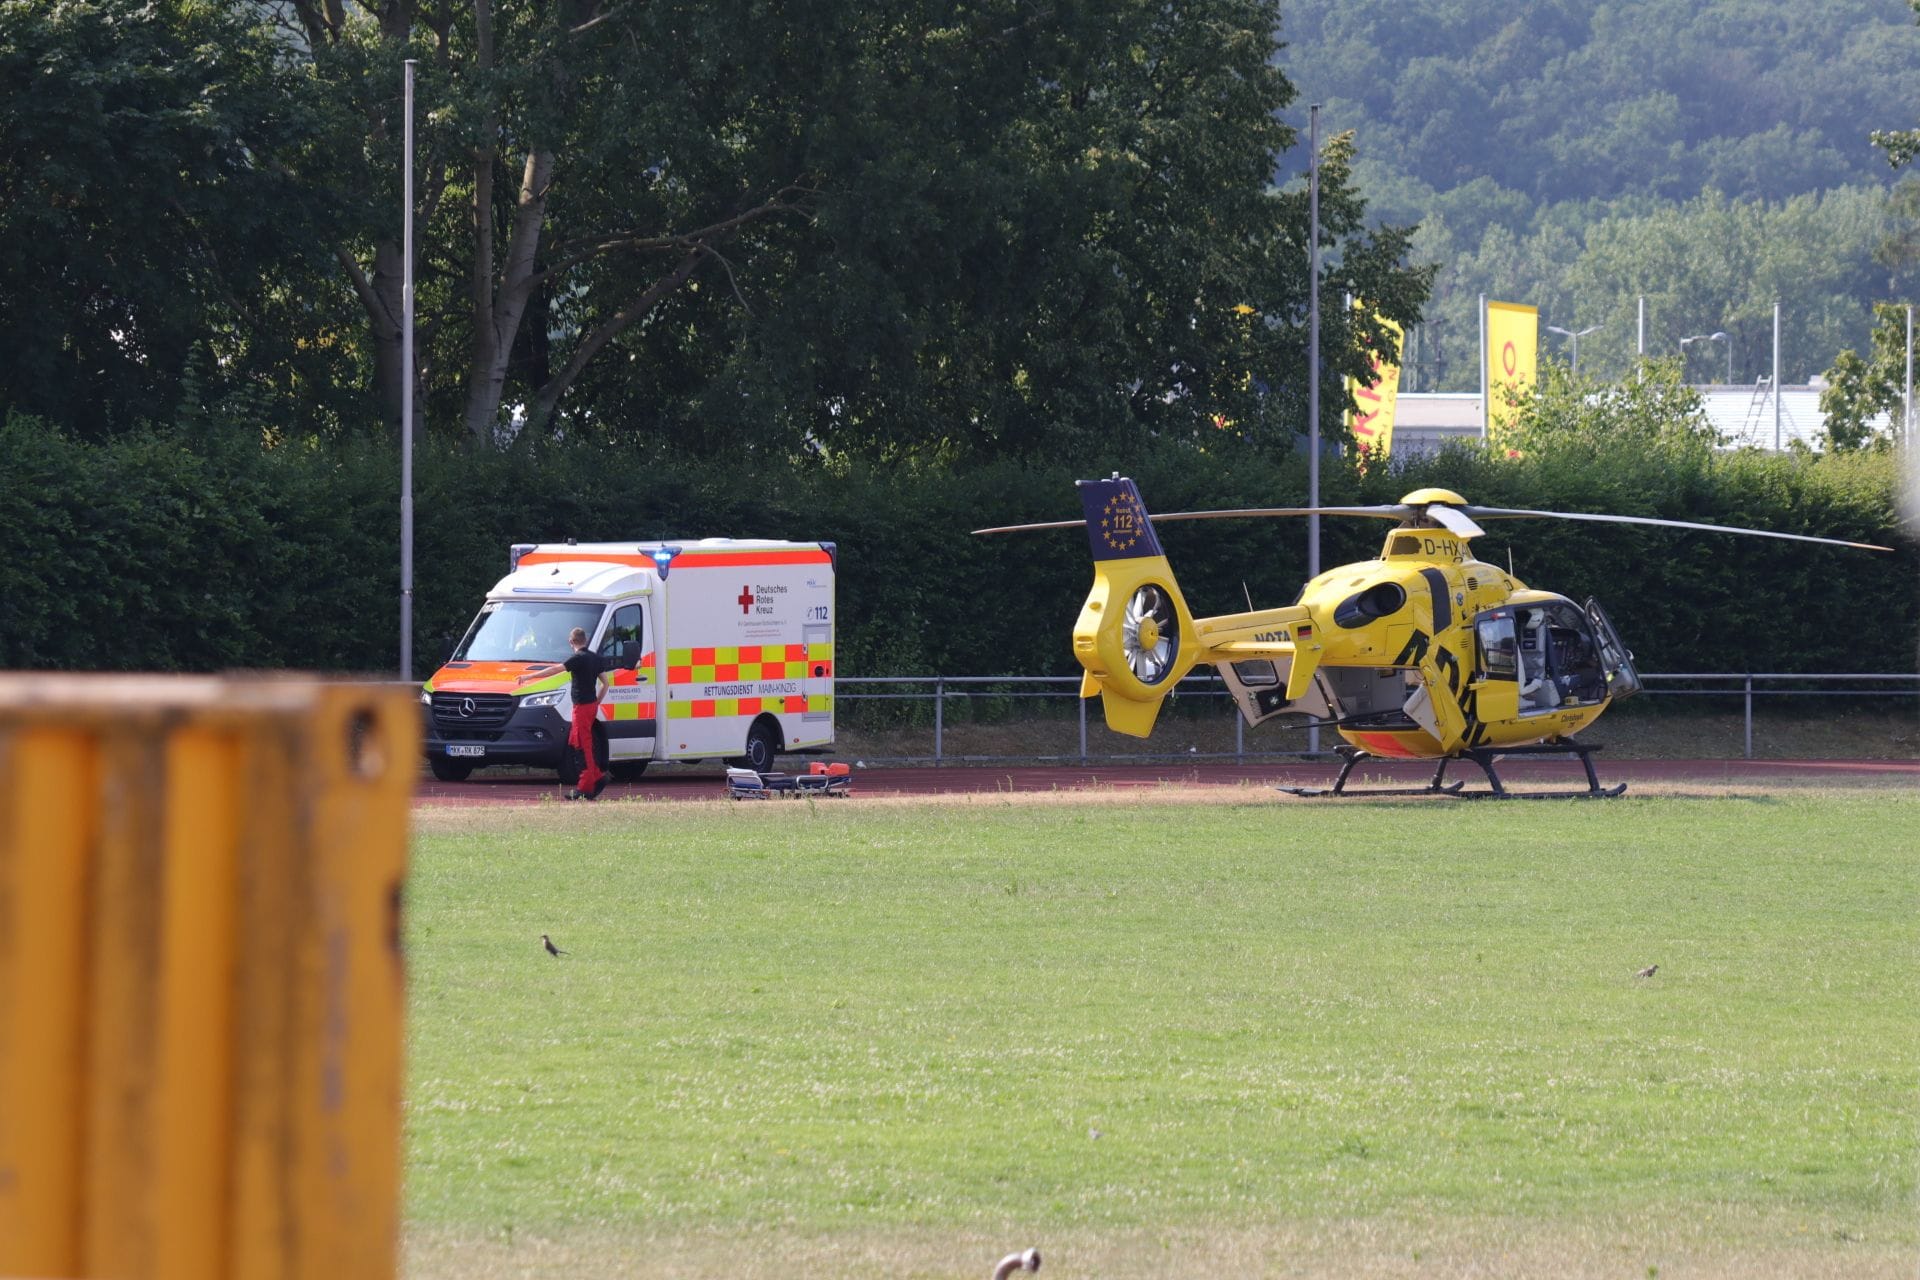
1743 415
1425 420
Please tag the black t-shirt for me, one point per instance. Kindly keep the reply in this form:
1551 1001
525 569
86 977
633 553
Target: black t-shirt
584 667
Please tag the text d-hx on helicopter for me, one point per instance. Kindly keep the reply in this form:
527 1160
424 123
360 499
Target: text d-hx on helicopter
1423 654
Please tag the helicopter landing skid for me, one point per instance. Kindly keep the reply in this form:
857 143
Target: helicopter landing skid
1484 757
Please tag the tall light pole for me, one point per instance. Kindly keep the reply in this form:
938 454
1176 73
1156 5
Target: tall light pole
1776 377
1313 337
406 392
1575 335
1486 402
1906 425
1640 342
1715 336
1313 361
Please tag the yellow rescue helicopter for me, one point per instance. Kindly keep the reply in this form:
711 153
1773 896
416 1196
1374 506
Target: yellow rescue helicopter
1425 653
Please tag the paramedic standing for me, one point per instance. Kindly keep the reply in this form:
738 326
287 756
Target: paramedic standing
587 669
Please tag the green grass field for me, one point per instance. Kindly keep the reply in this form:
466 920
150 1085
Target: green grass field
891 1038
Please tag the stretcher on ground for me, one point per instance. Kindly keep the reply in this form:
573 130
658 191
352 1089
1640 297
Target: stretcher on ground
820 779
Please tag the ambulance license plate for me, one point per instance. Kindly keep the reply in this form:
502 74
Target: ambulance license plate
466 749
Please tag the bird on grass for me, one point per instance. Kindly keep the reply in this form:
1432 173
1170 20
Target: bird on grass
1028 1261
1647 972
552 950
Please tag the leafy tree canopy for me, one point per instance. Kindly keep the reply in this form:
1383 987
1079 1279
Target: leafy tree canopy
1562 101
1861 389
864 229
144 209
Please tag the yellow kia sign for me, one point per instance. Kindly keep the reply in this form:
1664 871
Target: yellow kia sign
1372 420
1513 343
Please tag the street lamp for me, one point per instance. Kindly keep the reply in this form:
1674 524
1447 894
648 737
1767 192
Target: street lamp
1713 337
1575 335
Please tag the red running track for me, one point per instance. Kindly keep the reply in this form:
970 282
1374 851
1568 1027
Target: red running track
705 782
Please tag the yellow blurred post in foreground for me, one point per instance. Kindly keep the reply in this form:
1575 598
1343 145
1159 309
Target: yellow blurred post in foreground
201 987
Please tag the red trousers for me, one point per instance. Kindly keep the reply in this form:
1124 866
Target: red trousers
581 738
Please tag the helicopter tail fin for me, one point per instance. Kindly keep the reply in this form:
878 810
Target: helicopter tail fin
1135 635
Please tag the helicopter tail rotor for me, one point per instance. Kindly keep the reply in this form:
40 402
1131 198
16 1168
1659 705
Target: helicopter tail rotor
1134 636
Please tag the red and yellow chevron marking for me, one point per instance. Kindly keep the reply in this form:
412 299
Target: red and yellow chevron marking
633 676
628 710
734 663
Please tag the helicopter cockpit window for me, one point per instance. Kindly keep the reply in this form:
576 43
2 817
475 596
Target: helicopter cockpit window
1256 674
1559 661
1499 647
1577 662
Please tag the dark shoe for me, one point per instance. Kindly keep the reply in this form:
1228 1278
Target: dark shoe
571 795
599 785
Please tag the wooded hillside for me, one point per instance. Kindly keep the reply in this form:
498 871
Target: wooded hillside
1579 153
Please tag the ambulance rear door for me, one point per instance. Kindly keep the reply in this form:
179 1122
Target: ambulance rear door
815 583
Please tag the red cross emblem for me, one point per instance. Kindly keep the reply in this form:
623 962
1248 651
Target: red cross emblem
744 599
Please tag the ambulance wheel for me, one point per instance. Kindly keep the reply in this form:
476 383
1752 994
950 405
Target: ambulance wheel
572 766
450 770
627 770
763 743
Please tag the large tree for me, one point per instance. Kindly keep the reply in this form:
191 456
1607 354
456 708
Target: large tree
146 212
852 226
1861 389
865 225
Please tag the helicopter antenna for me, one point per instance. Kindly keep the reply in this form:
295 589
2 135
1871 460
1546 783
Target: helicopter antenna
1248 594
1509 559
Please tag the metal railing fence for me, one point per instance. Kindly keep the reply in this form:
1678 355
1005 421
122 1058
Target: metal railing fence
939 690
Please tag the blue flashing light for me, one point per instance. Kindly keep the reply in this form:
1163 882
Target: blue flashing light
663 559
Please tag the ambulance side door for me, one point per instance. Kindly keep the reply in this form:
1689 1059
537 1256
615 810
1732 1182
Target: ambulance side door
630 709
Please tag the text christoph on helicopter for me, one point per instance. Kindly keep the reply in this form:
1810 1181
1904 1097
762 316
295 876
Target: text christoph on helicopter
1425 653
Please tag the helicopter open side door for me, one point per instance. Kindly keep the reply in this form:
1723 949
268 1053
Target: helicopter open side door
1496 680
1623 678
1259 689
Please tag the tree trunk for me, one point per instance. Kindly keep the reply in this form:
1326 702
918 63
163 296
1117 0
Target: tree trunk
498 309
547 398
486 371
383 322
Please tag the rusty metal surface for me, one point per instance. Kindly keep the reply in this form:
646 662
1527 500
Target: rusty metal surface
201 990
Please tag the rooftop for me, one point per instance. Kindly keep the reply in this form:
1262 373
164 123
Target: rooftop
1743 415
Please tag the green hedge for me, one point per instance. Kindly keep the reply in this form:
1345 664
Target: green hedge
168 553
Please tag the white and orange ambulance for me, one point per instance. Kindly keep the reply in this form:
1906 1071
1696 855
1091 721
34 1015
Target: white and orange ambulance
723 649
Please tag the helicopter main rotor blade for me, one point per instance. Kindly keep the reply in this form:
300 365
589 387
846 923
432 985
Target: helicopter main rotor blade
1514 513
1398 511
1460 520
1450 519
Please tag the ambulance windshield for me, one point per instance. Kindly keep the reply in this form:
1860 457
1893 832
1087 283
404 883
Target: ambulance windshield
525 631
